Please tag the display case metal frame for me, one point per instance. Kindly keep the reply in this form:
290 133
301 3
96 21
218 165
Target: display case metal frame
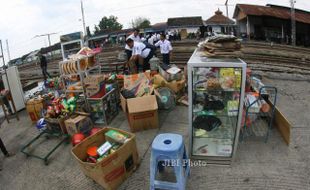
95 69
197 61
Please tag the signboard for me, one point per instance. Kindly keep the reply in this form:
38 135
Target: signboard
71 37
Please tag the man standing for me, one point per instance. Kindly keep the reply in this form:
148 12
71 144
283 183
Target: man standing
141 53
5 152
165 49
43 64
3 97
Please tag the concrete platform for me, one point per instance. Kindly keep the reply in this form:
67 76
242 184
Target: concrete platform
258 165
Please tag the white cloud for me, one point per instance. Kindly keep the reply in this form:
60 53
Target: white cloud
21 20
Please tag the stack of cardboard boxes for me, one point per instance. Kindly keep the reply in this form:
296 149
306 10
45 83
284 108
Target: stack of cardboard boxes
141 110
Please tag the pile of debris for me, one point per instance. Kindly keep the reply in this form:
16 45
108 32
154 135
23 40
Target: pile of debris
221 46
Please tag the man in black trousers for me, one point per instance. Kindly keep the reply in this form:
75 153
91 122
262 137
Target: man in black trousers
4 151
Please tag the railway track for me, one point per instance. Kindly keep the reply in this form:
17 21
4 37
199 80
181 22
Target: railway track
259 56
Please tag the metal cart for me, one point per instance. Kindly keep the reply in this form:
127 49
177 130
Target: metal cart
259 123
52 131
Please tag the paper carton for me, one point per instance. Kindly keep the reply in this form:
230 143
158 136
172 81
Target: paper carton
142 113
113 170
78 124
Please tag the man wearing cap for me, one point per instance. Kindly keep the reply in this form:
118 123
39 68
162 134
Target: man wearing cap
141 53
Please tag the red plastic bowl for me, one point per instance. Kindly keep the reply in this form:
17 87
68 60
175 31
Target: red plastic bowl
77 138
94 130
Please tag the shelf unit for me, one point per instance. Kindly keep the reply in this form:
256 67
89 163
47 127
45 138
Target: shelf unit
82 74
214 141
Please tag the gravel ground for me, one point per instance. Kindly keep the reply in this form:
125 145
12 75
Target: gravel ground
258 165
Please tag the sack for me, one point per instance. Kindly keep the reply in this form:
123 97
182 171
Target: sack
149 46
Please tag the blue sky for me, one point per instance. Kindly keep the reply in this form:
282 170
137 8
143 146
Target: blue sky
21 20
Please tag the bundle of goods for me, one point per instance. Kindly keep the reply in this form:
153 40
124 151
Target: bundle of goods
221 46
54 83
114 140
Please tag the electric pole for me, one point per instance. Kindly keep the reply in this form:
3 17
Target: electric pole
293 22
83 20
8 49
226 5
226 8
48 37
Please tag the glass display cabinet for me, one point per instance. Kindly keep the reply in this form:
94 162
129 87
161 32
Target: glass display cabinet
216 93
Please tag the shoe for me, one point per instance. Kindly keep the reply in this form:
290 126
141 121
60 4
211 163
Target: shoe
10 154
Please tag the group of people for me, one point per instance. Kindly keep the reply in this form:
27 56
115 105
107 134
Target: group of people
139 52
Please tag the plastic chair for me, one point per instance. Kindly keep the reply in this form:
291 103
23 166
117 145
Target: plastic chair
170 148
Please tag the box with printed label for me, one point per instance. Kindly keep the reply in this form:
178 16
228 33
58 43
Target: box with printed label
113 170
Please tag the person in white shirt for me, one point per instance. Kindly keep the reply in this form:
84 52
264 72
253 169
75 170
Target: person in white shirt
140 53
151 39
135 36
165 49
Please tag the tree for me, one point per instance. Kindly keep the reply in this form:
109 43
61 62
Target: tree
108 23
141 22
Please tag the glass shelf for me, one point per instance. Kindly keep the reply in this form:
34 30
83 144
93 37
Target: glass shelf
219 90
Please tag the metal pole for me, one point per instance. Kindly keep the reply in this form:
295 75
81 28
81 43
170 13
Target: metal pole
293 22
8 49
49 39
83 20
226 3
6 75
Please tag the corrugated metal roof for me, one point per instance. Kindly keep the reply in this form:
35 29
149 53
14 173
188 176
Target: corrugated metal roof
272 11
219 19
185 21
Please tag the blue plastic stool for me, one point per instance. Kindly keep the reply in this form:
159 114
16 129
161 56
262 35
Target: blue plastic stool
169 147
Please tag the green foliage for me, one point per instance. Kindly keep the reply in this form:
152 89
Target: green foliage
108 23
141 22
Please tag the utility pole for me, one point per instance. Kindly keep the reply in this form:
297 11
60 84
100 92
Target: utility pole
48 37
226 8
226 5
4 67
8 49
293 22
83 20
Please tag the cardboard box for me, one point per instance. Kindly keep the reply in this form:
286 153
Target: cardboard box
174 85
78 124
95 89
170 77
94 79
123 103
34 108
142 113
113 170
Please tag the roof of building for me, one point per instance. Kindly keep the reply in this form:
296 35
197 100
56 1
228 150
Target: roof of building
185 21
219 19
160 25
272 11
